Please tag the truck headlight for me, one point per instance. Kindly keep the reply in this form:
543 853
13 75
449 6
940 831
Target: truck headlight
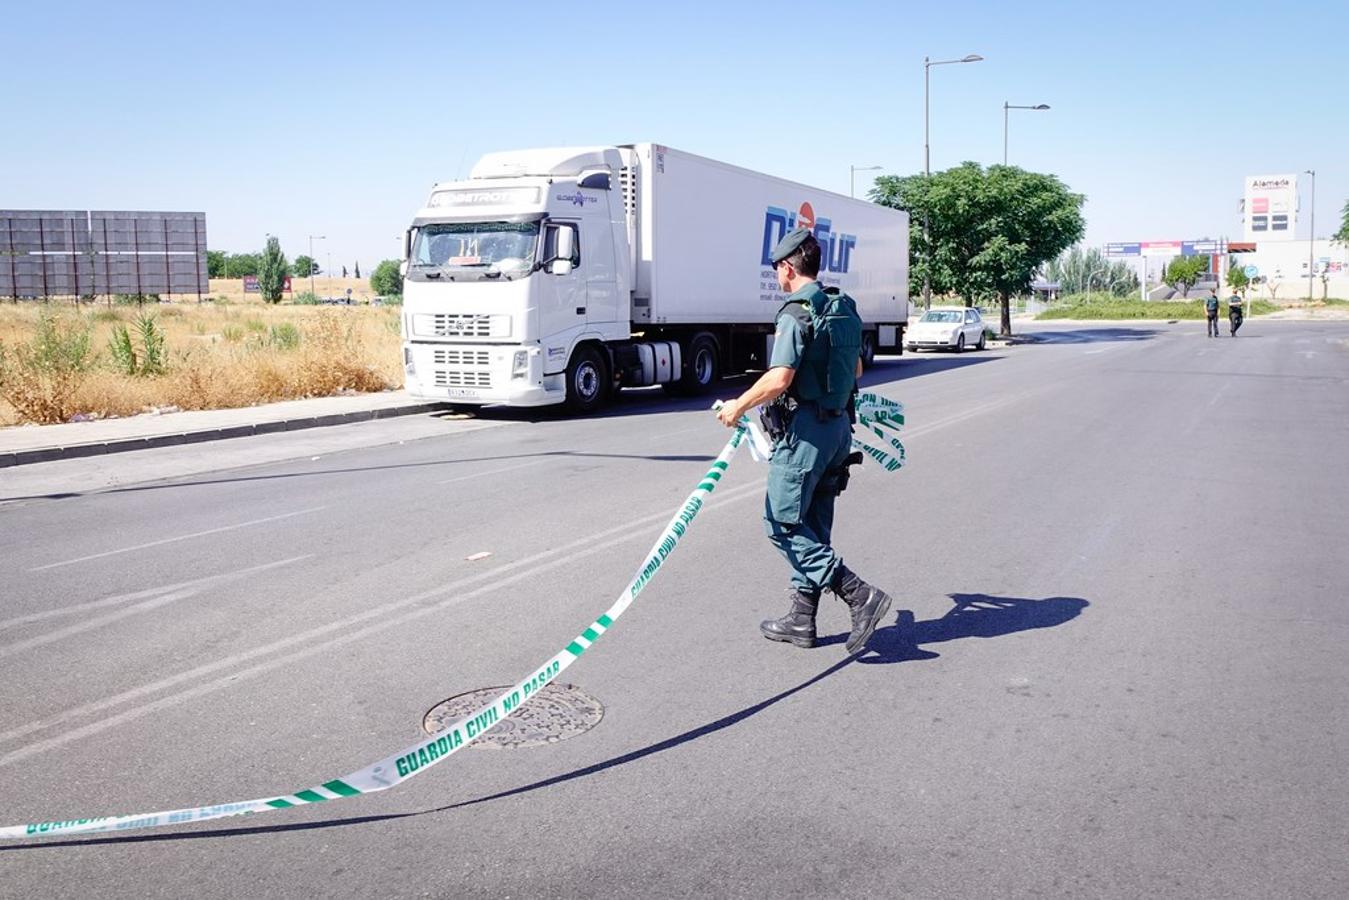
520 364
407 361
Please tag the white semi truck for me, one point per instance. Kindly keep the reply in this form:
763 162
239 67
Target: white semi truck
564 275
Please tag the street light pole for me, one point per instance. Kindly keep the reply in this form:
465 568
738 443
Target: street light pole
1089 278
927 161
852 177
312 238
1006 106
1311 241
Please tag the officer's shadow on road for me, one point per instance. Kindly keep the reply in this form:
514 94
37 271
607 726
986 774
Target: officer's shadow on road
973 616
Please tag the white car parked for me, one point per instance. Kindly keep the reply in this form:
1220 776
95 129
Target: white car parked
946 328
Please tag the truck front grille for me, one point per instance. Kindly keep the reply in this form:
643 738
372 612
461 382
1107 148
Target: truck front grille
442 357
463 378
446 325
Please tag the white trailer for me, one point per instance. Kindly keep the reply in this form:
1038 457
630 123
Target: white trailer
563 275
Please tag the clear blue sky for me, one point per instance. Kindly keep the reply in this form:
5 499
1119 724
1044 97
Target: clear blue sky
335 118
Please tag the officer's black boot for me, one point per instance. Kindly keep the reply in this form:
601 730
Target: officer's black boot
866 604
798 626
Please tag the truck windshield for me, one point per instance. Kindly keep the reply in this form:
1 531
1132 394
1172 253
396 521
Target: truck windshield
473 250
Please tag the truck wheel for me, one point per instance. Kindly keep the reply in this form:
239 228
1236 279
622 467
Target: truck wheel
587 380
702 369
868 349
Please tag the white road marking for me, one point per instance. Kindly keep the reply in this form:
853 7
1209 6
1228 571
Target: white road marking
523 465
181 537
144 606
141 595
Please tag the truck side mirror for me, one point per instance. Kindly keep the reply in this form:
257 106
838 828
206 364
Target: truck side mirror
563 249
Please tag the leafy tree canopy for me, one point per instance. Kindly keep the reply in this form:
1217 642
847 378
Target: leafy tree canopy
1073 268
272 271
990 230
1184 271
386 279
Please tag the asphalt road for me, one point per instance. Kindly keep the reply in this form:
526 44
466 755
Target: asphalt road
1117 665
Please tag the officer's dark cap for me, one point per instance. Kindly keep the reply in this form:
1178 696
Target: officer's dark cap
789 244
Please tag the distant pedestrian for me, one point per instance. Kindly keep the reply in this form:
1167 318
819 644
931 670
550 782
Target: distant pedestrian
1211 312
1234 313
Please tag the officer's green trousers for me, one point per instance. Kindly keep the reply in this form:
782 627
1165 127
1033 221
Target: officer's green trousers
799 509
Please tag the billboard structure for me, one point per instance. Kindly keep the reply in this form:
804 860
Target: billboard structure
63 253
1270 207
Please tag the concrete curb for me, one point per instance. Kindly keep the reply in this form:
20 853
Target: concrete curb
75 451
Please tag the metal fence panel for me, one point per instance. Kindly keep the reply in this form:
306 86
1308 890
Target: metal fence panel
59 253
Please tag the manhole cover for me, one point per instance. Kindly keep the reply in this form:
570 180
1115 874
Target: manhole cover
555 713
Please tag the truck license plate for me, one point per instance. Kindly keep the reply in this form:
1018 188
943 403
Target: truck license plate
463 393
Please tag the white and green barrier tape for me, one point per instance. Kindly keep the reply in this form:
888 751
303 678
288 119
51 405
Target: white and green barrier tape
876 414
395 769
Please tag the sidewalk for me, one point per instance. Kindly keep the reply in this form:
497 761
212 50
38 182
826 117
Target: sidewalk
23 444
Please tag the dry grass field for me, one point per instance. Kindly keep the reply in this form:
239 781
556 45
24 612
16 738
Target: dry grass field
59 363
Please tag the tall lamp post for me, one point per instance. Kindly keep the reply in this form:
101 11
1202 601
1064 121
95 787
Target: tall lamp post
927 159
1006 106
852 177
1311 241
1089 278
312 238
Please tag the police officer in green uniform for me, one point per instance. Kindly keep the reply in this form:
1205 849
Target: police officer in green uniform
810 459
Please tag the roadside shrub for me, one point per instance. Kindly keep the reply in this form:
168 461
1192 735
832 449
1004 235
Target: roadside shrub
284 336
147 359
306 298
1078 307
138 299
121 349
332 360
153 358
40 379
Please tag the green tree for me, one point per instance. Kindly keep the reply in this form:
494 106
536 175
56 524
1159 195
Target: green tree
215 263
305 266
272 272
1343 234
1073 268
358 270
237 265
990 229
1236 277
1183 271
386 280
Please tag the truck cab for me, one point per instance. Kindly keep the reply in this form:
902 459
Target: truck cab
509 273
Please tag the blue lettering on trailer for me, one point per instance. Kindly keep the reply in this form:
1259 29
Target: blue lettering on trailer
835 247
